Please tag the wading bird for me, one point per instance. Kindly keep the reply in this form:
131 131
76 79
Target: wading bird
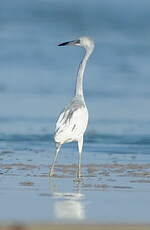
73 121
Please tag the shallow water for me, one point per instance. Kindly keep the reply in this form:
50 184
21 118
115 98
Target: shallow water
37 80
114 189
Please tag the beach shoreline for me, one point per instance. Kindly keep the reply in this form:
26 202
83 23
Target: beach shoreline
76 226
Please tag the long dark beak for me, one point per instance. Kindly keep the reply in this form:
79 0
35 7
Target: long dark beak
75 42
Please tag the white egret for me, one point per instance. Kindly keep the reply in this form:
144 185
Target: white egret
73 121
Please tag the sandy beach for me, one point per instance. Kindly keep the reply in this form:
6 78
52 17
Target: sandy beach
75 227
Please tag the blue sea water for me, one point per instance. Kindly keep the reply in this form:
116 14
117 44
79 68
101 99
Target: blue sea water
37 80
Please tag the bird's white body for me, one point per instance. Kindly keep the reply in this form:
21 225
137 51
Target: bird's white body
72 122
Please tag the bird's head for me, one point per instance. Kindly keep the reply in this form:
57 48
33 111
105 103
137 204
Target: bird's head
85 42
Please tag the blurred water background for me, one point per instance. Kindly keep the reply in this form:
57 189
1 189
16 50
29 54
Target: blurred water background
37 78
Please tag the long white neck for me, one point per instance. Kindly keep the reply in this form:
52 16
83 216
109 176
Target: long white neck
79 80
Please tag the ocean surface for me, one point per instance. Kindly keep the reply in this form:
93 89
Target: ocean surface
37 79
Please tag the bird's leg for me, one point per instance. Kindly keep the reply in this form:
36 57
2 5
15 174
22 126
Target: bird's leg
51 172
80 144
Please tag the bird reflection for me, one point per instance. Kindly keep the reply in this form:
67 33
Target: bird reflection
69 209
67 205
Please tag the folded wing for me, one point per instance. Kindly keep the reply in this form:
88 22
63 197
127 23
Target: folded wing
71 123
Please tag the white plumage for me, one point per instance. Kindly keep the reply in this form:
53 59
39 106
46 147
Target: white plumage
73 121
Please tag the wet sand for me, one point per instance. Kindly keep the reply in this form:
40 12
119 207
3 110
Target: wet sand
105 189
75 227
114 188
135 172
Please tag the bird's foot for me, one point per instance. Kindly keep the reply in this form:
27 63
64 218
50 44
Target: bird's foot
51 173
78 178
